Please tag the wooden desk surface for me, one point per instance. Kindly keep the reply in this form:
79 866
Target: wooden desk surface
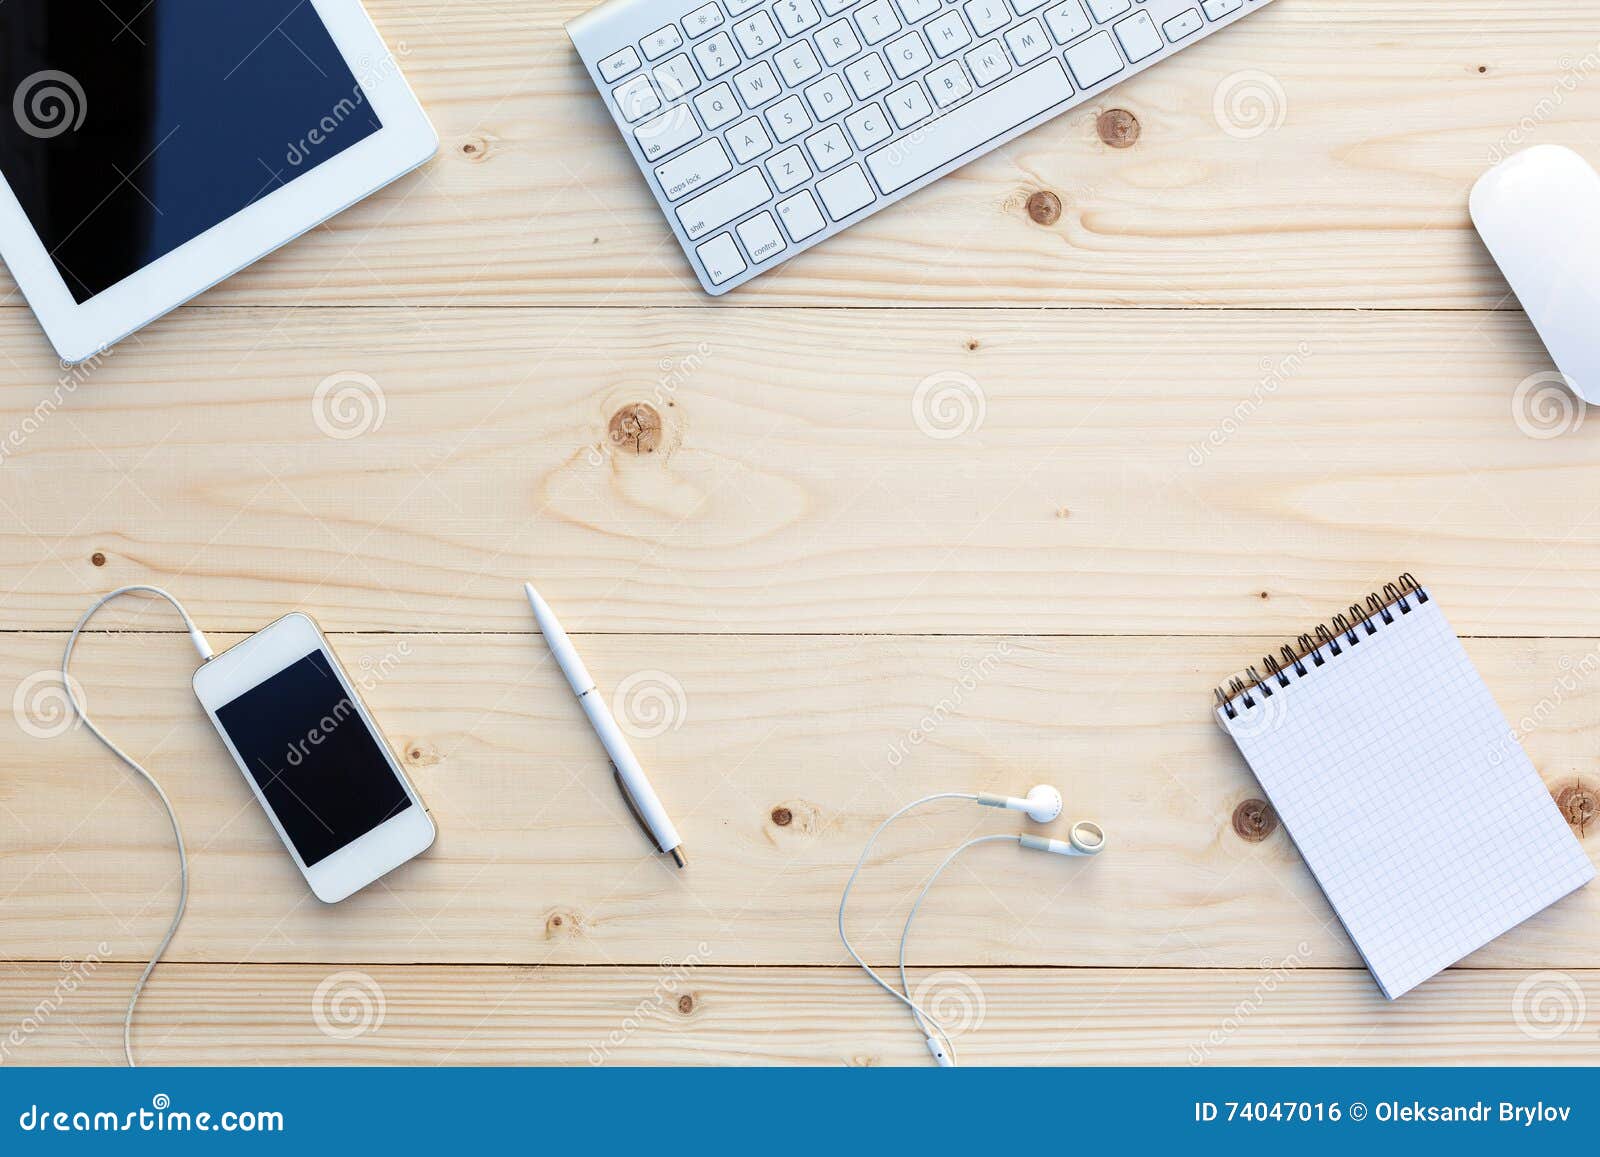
962 499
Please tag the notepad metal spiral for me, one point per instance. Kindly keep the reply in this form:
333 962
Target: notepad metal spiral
1309 646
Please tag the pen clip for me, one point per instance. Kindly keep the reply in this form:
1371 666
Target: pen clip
627 798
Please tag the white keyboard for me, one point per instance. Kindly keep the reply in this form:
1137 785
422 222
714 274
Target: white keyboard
765 126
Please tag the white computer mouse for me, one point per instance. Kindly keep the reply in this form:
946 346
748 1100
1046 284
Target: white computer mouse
1538 211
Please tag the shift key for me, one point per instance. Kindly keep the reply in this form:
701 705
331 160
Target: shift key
729 200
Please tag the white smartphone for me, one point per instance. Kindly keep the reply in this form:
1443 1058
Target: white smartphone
314 758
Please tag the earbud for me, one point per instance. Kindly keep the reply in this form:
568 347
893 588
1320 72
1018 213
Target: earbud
1085 839
1043 803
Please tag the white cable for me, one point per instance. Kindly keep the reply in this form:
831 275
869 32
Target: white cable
916 1011
204 647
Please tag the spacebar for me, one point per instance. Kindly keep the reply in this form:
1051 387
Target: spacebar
993 114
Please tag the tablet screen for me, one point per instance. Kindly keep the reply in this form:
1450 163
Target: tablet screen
133 126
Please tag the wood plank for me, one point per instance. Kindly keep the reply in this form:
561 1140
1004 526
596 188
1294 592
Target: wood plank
699 1013
777 757
1125 472
1358 198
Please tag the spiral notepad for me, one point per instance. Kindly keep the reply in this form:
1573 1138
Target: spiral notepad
1403 786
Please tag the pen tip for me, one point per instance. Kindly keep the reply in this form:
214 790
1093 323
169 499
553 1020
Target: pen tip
677 855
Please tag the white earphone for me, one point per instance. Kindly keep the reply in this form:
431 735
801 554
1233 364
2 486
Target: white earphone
1042 804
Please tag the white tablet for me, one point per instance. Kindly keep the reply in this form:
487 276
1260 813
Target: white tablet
151 148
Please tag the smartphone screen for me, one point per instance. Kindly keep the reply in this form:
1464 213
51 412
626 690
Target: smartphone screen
323 773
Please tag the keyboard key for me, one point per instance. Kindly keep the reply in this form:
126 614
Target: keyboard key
948 34
867 76
761 237
702 20
1093 60
636 99
915 10
737 8
827 97
801 217
757 85
846 192
869 126
718 106
788 118
1109 9
619 64
986 15
661 41
1183 24
828 148
797 15
1138 36
970 126
907 55
1027 42
676 77
1023 7
748 139
834 7
907 105
756 35
699 166
838 42
1217 9
727 202
988 62
949 83
1067 21
721 258
667 133
797 63
877 22
788 169
717 56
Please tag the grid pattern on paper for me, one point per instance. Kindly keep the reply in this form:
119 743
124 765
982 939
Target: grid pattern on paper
1411 800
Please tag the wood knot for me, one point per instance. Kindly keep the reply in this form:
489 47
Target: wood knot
1580 805
561 924
422 754
782 816
1265 595
98 558
636 427
1044 207
972 344
686 1004
1254 820
475 149
1118 128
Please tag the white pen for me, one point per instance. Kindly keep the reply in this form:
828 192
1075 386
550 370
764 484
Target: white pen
630 777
